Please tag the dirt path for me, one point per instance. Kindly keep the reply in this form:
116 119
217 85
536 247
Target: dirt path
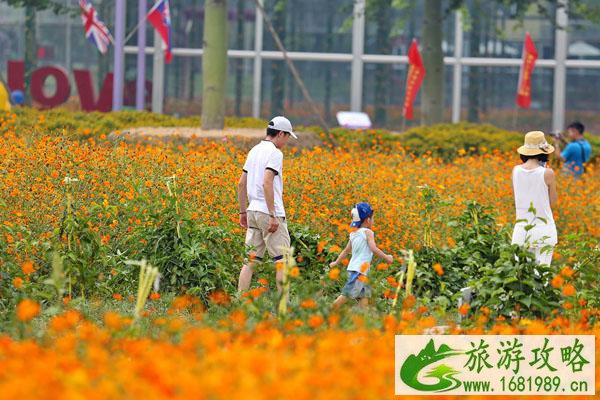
306 139
191 132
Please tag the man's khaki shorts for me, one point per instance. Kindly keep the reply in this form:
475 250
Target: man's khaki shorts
259 239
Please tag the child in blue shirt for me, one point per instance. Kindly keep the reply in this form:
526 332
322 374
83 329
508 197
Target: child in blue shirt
362 245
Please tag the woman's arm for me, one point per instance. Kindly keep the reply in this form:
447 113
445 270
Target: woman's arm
550 180
371 241
342 255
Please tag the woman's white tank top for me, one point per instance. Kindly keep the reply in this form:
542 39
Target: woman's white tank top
531 191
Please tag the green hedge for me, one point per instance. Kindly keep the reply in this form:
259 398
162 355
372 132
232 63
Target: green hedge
443 140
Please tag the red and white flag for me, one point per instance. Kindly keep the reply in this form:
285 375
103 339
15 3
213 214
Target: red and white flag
160 18
530 55
94 29
416 72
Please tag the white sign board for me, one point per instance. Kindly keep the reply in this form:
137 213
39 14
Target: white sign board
353 120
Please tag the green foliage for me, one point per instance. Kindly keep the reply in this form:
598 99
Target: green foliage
504 277
190 256
516 285
446 141
79 247
450 140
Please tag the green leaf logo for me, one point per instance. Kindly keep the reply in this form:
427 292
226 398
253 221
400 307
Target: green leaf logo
413 365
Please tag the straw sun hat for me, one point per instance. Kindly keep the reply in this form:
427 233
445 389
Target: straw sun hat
535 143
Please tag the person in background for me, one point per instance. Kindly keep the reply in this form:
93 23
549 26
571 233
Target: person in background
577 152
534 187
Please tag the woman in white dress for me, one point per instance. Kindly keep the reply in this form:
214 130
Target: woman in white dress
534 187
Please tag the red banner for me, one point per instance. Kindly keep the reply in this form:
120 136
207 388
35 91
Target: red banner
416 72
530 55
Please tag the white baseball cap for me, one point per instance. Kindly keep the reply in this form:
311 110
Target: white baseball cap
282 124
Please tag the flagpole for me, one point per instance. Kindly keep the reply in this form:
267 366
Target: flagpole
139 24
119 63
140 87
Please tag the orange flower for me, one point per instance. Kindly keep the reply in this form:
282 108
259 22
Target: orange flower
154 296
295 272
437 267
464 309
569 290
309 304
557 281
27 267
363 278
364 267
334 273
27 310
335 249
315 321
114 321
321 246
409 301
219 297
17 282
256 292
382 266
117 296
263 281
567 272
333 319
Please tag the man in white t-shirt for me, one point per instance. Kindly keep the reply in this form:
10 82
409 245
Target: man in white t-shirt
261 184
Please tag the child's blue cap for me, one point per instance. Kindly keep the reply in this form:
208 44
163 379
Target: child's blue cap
360 212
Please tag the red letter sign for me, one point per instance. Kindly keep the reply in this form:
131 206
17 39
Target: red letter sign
63 88
83 78
16 75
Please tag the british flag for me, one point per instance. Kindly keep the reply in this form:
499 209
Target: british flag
160 18
95 30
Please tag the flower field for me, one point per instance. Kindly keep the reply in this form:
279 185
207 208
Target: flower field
81 205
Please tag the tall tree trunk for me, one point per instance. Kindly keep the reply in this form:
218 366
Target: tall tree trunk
239 63
214 64
278 67
474 76
30 48
382 71
432 100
